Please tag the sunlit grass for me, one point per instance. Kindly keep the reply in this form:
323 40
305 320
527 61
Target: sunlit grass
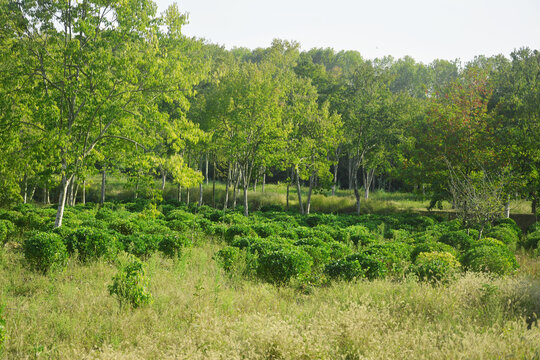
342 201
201 313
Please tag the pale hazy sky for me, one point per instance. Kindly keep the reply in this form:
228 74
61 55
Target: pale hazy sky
423 29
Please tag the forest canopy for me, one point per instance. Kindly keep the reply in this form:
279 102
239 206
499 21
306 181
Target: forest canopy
100 87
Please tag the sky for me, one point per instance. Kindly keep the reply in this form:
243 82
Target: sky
423 29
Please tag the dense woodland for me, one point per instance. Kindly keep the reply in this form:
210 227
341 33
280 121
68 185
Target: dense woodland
106 87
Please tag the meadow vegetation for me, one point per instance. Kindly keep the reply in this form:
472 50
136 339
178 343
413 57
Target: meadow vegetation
146 280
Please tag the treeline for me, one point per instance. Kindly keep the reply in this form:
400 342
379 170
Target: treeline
111 87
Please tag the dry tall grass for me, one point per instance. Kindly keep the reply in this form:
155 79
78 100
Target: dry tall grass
201 313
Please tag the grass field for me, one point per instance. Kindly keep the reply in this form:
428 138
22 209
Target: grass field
343 201
199 312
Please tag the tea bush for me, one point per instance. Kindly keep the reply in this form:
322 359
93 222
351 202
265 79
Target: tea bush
237 230
124 226
532 240
228 257
45 251
345 269
436 266
130 284
393 255
171 245
510 223
504 234
91 243
457 239
280 266
488 258
266 229
432 247
141 245
7 228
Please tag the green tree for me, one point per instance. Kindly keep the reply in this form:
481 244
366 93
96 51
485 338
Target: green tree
95 71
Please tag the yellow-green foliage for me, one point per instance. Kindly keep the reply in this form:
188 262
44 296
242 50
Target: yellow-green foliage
436 266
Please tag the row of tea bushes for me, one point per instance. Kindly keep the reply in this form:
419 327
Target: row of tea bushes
274 246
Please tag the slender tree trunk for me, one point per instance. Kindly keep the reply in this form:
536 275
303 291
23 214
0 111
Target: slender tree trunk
201 184
299 191
534 203
350 169
200 194
246 212
187 195
289 185
69 191
263 180
214 185
207 168
32 193
62 201
25 188
74 195
103 182
163 179
507 207
227 185
45 194
356 192
84 192
48 196
334 185
311 181
236 182
368 179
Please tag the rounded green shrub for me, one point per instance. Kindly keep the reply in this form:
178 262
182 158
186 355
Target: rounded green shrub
130 285
303 232
265 229
457 239
488 258
124 226
504 234
6 229
533 228
490 242
141 245
237 230
264 246
106 214
372 266
171 245
10 215
344 269
432 247
319 252
228 257
510 223
288 234
436 266
394 255
360 235
532 240
45 251
91 243
278 267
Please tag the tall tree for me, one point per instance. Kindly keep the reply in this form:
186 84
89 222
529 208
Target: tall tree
96 68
